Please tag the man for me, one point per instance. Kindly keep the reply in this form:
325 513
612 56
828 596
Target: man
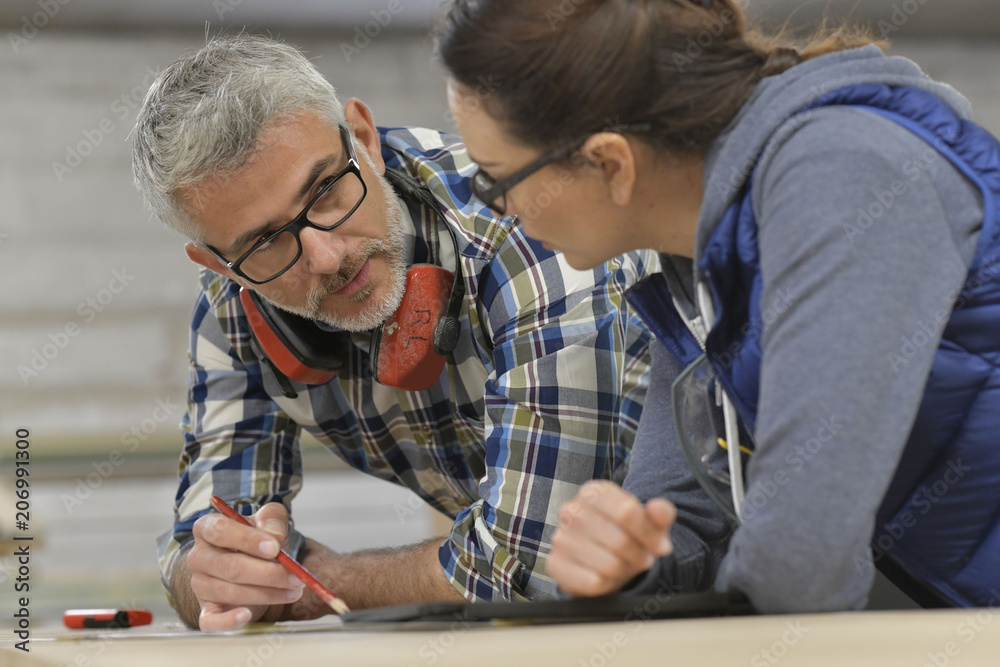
540 394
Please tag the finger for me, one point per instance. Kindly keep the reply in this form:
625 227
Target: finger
272 518
225 533
615 564
210 589
616 519
238 568
596 492
217 618
578 580
661 513
593 496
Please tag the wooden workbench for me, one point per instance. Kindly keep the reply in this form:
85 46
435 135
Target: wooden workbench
955 638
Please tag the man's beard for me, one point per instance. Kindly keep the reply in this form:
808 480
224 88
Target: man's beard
392 249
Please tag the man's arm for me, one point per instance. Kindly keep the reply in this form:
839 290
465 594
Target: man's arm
383 577
561 403
238 444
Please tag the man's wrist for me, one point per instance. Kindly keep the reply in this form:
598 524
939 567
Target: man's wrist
182 598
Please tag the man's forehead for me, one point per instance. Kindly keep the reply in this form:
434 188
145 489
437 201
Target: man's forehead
278 151
294 125
291 154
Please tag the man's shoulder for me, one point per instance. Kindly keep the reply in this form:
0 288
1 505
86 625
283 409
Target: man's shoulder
441 163
218 321
431 155
438 159
419 139
216 289
218 308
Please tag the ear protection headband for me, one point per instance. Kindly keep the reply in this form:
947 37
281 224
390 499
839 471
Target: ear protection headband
408 351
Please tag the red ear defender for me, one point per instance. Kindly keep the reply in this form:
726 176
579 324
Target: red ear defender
295 346
404 350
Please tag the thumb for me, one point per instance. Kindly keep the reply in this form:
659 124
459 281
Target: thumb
662 513
273 518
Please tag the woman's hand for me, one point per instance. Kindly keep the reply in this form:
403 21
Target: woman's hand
606 537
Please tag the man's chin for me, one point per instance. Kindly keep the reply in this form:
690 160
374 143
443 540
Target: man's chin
361 311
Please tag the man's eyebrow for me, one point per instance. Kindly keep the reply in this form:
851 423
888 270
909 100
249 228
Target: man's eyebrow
318 168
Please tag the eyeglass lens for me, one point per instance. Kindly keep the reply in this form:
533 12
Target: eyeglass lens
481 185
332 208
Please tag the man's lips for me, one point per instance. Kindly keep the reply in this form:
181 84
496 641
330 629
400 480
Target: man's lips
357 282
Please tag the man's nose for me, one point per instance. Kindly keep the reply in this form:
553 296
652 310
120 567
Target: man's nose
323 251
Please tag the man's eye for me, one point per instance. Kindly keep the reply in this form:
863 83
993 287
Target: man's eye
330 199
322 184
266 243
330 191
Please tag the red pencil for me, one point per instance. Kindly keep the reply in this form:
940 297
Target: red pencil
290 563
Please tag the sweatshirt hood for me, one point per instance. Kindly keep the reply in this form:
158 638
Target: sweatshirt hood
731 158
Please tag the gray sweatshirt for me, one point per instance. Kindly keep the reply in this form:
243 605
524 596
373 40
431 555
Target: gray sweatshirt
865 235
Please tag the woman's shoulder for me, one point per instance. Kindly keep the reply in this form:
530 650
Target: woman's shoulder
857 143
851 166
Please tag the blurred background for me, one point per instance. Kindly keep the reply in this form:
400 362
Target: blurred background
95 297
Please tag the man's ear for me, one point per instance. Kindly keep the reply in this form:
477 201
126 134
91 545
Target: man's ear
612 154
359 119
203 256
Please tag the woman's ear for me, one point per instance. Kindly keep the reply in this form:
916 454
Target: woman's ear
612 155
362 124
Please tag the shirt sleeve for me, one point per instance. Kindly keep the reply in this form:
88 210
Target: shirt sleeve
865 238
237 444
562 401
658 469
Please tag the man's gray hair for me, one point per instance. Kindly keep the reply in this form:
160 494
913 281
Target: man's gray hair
205 113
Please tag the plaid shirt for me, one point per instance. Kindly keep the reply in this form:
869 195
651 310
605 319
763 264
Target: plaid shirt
543 393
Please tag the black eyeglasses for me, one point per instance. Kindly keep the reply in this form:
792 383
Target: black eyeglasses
494 193
276 252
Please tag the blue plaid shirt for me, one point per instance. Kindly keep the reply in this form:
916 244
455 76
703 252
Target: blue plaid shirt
543 393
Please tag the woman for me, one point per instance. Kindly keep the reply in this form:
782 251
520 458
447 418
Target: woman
828 223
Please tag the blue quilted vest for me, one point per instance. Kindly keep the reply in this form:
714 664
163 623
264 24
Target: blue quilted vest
949 475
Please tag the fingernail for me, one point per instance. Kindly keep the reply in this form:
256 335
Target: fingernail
243 616
274 527
666 546
295 582
269 548
294 594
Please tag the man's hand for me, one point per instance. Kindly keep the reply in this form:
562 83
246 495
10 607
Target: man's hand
229 577
606 537
232 569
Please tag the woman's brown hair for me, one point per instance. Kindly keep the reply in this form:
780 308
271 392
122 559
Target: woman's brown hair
552 71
